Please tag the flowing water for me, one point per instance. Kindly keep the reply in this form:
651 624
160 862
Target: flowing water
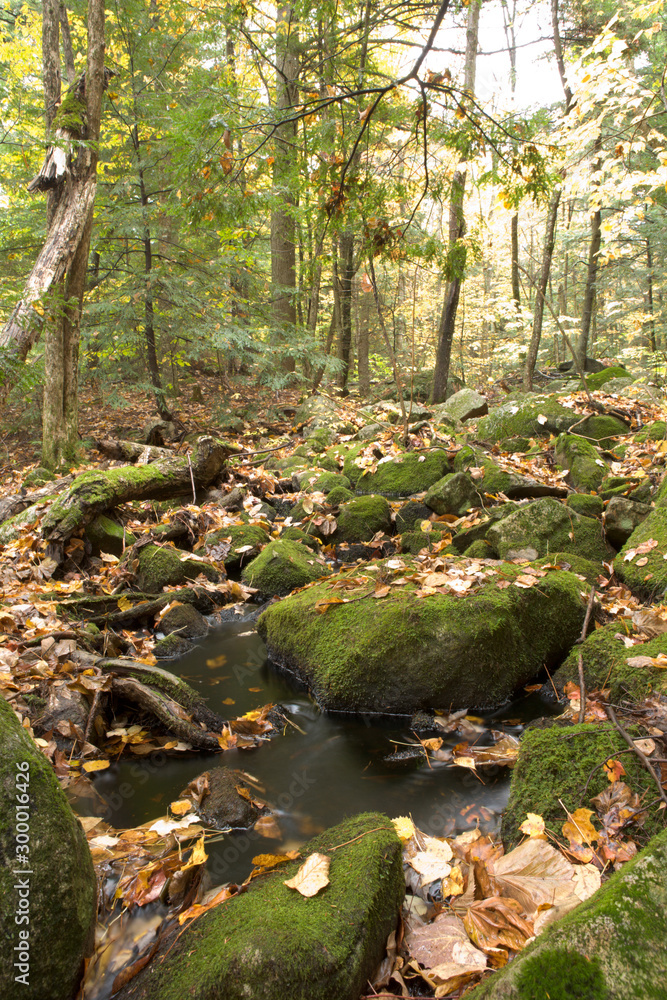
312 776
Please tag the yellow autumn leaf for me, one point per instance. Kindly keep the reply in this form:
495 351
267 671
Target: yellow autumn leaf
404 827
96 765
180 807
312 876
579 827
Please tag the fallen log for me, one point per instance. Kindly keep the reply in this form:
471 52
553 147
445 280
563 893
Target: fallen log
132 451
167 711
16 503
93 493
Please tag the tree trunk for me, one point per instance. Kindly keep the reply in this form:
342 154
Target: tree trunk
516 287
344 277
649 295
591 287
541 291
283 228
456 254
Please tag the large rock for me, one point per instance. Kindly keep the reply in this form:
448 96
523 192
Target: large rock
536 416
106 535
621 517
361 518
282 566
271 943
585 468
235 545
463 405
409 650
164 566
565 763
222 799
401 475
545 526
455 493
611 947
641 564
605 661
48 892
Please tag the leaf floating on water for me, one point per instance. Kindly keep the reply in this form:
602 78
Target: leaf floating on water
312 876
180 807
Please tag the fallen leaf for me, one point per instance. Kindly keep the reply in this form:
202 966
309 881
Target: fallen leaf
312 876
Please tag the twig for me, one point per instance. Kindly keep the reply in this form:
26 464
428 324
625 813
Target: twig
580 664
192 480
611 715
92 715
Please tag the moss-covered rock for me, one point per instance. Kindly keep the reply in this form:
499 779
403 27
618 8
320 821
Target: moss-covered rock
413 542
48 892
339 495
319 438
645 572
106 535
164 566
605 661
656 431
294 534
585 504
463 539
283 566
326 482
586 470
411 514
621 518
171 646
545 526
271 943
597 379
455 493
480 549
230 544
406 652
317 411
603 428
565 762
184 620
38 477
537 416
611 947
361 518
407 473
463 405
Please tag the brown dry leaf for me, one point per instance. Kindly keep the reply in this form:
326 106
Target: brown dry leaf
267 826
180 807
659 661
265 861
323 605
197 909
312 876
382 591
614 770
498 923
534 874
433 862
445 951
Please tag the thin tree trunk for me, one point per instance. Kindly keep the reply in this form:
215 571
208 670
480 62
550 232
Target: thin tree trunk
591 287
649 295
345 276
538 314
516 287
456 264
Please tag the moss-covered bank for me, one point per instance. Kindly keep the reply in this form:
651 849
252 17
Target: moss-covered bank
271 943
52 895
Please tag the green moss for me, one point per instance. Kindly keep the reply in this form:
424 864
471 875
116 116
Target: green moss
545 526
402 653
61 880
38 477
656 431
605 665
16 525
650 578
223 544
537 416
271 943
586 470
71 113
328 481
170 647
360 519
106 535
603 428
620 931
414 541
585 504
410 472
283 566
294 534
164 566
455 493
481 549
339 495
565 762
597 379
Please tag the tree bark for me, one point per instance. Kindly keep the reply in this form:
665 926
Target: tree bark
516 287
283 227
591 287
344 277
541 291
456 263
649 295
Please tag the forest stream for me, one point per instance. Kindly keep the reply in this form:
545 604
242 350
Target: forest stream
321 769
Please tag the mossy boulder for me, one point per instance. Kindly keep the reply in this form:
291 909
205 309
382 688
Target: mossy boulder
326 482
339 495
319 438
463 405
656 431
165 566
184 620
271 943
585 468
106 535
38 477
621 518
479 531
407 473
455 493
565 762
585 504
283 566
53 889
410 516
408 651
294 534
537 416
361 518
230 544
603 428
645 572
597 379
171 646
611 947
545 526
605 661
413 542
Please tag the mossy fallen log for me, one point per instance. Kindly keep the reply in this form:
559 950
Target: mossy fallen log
18 502
93 493
173 716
